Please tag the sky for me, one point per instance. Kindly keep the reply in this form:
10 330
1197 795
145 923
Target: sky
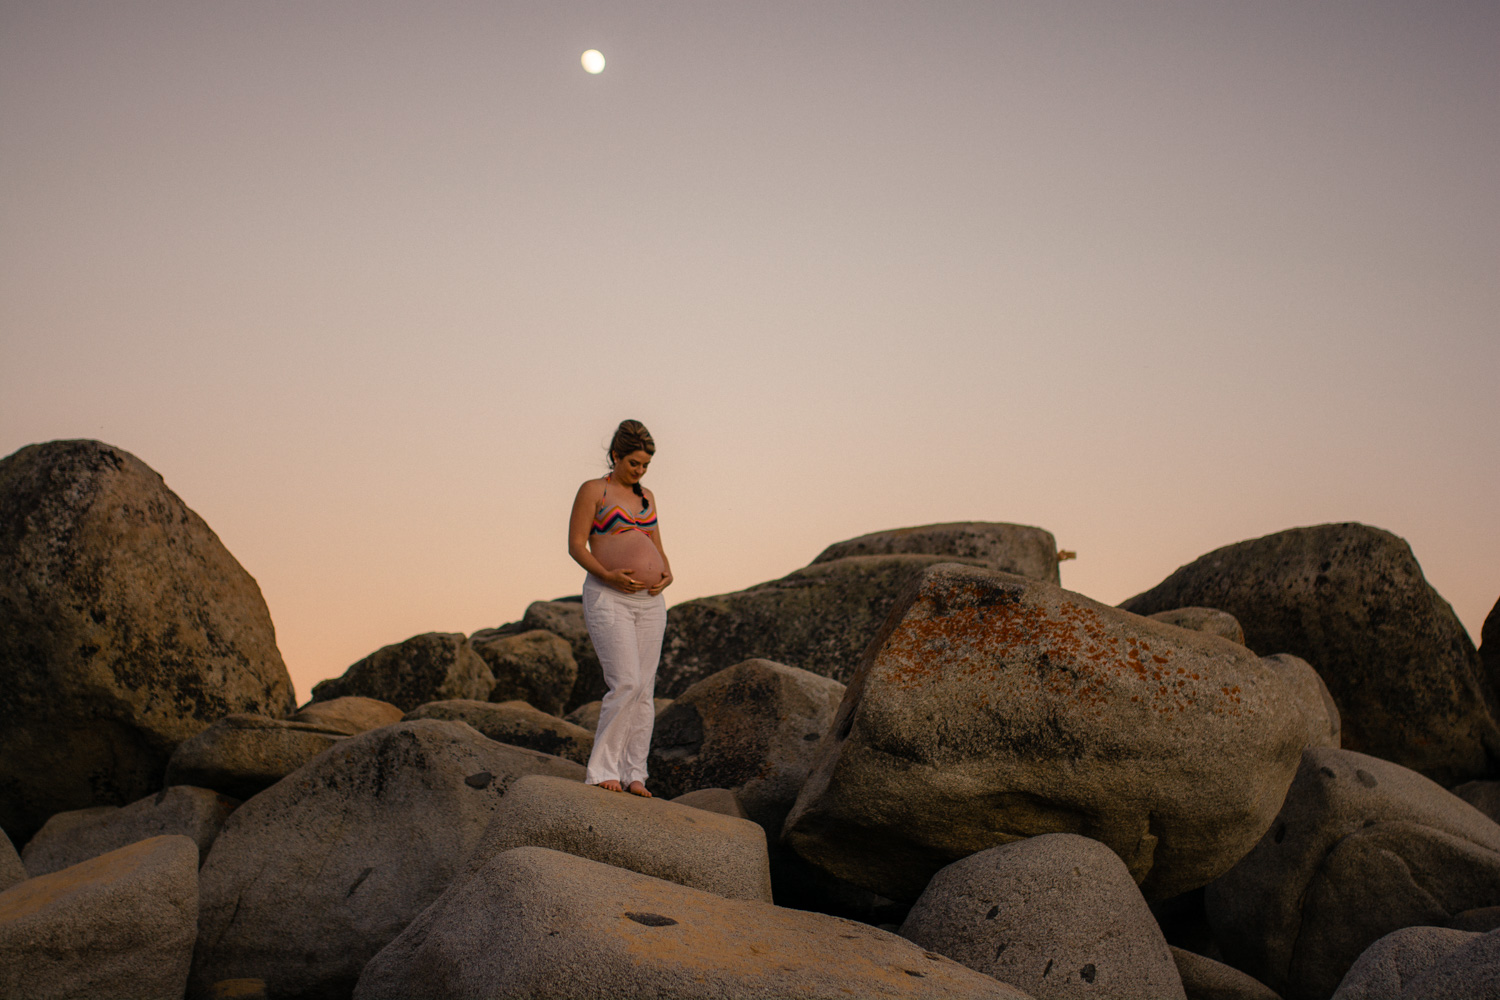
370 284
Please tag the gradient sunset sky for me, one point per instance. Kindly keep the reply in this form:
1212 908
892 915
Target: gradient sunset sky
371 283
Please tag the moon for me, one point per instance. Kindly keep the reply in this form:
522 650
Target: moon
593 61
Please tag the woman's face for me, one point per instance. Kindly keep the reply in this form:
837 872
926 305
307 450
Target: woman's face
631 468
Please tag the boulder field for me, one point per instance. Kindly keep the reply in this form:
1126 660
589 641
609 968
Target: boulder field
915 767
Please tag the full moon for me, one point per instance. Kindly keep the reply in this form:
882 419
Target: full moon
593 61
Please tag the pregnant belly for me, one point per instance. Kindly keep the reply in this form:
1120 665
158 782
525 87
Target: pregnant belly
632 550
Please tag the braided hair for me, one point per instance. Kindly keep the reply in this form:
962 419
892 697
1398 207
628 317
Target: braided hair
631 436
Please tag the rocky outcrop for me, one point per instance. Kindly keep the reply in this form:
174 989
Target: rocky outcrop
1389 968
348 715
1361 847
116 927
535 666
316 874
564 617
242 755
1352 601
705 850
753 728
516 723
1319 713
434 666
1210 620
993 708
535 922
1205 979
587 714
819 618
1054 916
1482 795
72 837
125 628
1009 548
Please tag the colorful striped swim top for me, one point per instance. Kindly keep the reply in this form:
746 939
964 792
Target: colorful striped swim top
617 520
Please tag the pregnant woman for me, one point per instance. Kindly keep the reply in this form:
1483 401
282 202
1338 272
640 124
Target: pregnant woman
614 534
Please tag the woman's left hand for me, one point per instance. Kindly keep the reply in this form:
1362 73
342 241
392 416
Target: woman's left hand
662 584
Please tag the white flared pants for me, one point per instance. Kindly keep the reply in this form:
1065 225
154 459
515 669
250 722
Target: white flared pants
626 630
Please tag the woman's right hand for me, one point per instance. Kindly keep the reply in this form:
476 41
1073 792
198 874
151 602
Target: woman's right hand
620 579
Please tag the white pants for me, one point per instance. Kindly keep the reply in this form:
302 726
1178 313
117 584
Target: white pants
627 631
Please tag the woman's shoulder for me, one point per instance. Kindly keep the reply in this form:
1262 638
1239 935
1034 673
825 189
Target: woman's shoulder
593 487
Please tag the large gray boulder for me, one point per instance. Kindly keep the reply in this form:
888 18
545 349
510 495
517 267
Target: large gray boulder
242 754
753 728
1010 548
1361 847
1205 979
819 618
11 868
994 708
564 617
534 922
1352 601
516 723
434 666
1319 713
705 850
1389 965
71 837
320 871
125 628
116 927
349 715
1056 916
535 666
1482 795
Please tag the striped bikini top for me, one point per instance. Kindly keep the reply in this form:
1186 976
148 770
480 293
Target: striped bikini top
617 520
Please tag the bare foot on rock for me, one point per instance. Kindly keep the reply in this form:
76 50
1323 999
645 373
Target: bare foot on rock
612 785
638 788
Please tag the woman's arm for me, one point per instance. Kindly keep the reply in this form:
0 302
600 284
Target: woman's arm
579 523
666 565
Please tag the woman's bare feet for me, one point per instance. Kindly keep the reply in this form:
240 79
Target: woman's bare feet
638 788
611 785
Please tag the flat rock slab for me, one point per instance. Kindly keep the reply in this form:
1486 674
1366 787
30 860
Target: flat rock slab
1352 601
719 800
1056 916
241 755
128 627
1361 847
350 714
116 927
1009 548
516 723
321 870
993 708
70 837
534 922
692 847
